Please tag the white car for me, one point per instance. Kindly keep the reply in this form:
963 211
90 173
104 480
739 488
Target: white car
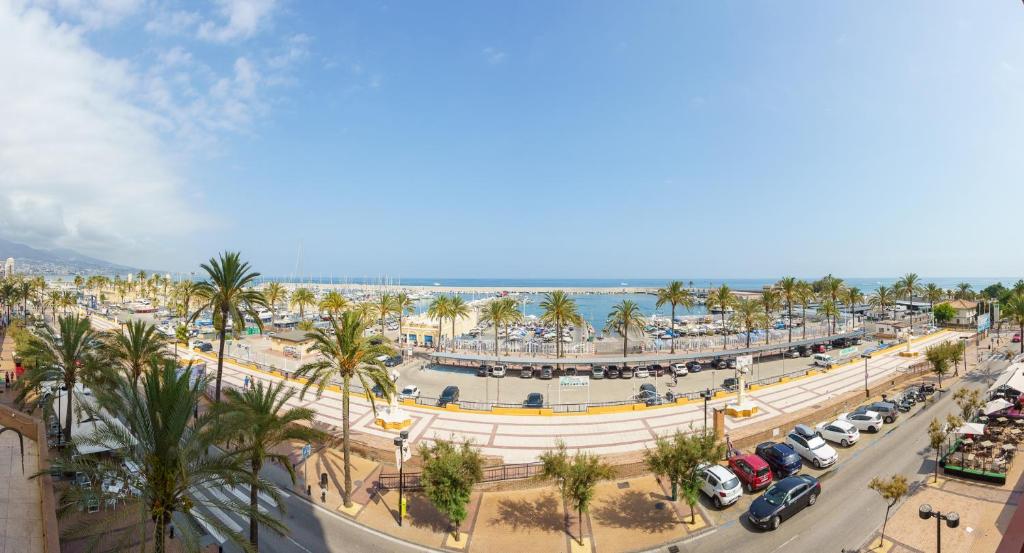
679 369
868 421
498 371
814 449
720 485
642 372
839 431
409 392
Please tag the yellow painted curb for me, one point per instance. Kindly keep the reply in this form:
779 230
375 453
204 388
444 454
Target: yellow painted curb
450 542
575 546
698 523
393 425
352 511
883 547
732 412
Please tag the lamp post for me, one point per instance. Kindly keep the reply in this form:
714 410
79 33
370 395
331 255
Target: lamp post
867 391
952 520
400 449
963 340
706 394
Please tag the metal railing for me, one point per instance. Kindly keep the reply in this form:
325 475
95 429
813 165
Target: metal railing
500 473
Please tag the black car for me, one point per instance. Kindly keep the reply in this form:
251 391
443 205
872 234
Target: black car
534 401
611 372
718 363
730 363
732 384
449 395
205 347
526 372
804 351
780 457
694 366
786 498
547 372
571 371
393 361
656 370
483 370
840 343
647 391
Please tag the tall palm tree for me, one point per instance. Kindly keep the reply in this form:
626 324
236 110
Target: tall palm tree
559 309
674 294
851 298
228 292
438 309
788 287
500 312
882 298
383 307
68 299
721 298
275 292
963 291
154 428
333 303
829 309
749 315
1013 311
61 357
625 317
831 288
457 309
186 292
805 297
259 420
134 347
932 293
907 287
347 354
403 306
7 296
771 302
303 298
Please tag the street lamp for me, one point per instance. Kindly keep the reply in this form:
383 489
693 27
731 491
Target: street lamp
867 392
706 394
400 450
952 520
963 340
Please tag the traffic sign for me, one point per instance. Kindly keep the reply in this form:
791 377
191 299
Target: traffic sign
307 450
571 382
744 361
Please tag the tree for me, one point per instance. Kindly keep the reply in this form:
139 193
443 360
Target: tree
1013 311
577 477
134 347
804 296
438 309
939 356
403 306
180 337
275 293
882 299
674 294
789 288
154 428
943 313
383 307
449 473
829 309
994 291
333 303
186 291
624 318
259 420
559 309
457 309
720 298
303 298
347 354
500 312
932 293
61 357
892 490
963 291
969 400
749 316
832 288
227 292
907 286
851 298
937 433
771 302
680 460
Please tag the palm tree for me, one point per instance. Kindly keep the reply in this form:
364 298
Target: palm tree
851 298
907 286
68 299
333 303
228 293
55 299
1013 310
500 312
789 287
384 306
133 347
259 420
882 298
829 309
275 292
438 309
674 294
963 291
154 428
771 302
721 298
457 309
749 315
831 288
186 291
932 293
25 289
303 298
403 306
61 357
559 309
624 318
347 354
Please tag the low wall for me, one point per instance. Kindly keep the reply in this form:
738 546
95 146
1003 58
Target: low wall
33 429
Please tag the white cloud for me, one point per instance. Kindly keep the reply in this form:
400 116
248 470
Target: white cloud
493 55
93 14
82 165
173 23
244 18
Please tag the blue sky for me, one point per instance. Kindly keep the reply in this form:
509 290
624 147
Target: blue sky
527 139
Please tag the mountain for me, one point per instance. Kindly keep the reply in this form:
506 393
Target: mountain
61 261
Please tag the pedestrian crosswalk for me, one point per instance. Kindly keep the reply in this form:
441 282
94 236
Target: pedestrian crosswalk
208 499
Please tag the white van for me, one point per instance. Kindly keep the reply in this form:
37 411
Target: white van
823 360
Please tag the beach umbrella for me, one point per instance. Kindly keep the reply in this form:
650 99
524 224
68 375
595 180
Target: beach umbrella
971 428
996 405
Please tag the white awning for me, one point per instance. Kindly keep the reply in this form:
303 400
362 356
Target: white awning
996 405
83 424
1011 377
972 428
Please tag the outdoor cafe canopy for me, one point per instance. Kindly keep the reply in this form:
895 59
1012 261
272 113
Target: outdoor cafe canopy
996 405
972 428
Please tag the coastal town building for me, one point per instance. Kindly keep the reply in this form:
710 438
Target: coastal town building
966 312
8 268
889 329
422 330
297 339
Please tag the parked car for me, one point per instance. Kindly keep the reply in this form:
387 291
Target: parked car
498 371
449 395
409 392
720 485
526 372
840 343
597 372
792 353
718 363
730 363
679 369
647 391
786 498
642 372
813 449
733 383
805 351
656 370
207 347
818 348
839 431
1016 338
888 410
626 372
823 360
611 372
534 401
780 457
547 372
752 470
571 371
868 421
483 370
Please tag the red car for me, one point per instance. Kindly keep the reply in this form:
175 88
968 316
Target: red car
752 470
1016 338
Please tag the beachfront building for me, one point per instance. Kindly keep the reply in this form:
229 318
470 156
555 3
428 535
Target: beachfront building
966 312
421 330
889 329
8 268
293 338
